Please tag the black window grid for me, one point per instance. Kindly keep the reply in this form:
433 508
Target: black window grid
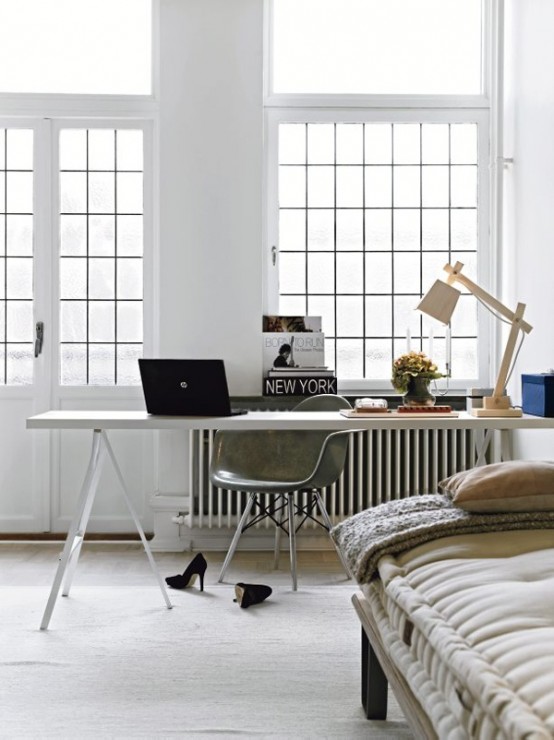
397 334
87 342
6 344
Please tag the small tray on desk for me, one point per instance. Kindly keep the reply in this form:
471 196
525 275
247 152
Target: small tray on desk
412 413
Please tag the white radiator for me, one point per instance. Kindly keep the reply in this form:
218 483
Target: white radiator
381 465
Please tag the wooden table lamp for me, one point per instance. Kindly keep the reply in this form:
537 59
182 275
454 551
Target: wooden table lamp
440 301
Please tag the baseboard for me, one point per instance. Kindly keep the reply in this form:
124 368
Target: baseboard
218 540
61 536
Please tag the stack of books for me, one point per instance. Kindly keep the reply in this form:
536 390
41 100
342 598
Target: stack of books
294 357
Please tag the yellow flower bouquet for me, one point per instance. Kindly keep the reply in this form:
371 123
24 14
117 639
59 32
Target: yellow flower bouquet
412 365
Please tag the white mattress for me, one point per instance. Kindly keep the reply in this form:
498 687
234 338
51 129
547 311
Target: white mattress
469 620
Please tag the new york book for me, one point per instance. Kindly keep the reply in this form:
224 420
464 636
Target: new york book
299 385
297 349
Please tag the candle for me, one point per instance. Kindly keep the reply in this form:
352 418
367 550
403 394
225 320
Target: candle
448 350
430 354
408 340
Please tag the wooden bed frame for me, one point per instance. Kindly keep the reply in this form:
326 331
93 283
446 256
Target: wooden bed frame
378 671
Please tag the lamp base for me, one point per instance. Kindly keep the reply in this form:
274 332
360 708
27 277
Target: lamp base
496 412
497 406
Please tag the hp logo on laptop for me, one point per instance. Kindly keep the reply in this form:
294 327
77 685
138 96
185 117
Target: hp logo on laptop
184 384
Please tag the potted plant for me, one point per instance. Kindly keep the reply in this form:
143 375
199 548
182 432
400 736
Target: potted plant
411 375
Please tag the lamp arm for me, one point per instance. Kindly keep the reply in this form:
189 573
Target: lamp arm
503 372
455 275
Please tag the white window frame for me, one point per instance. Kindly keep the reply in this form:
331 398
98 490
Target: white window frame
149 265
99 111
282 108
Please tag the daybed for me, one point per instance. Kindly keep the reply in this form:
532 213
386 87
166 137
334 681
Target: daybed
457 604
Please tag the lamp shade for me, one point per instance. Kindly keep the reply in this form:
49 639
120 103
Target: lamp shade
440 301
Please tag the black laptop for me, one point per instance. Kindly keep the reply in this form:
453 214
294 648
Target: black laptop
186 388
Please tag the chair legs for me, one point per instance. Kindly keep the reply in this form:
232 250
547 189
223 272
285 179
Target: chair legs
277 547
292 539
329 525
236 538
291 512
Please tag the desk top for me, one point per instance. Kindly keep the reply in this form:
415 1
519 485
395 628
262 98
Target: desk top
254 420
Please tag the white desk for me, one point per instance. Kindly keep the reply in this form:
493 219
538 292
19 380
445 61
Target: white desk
100 422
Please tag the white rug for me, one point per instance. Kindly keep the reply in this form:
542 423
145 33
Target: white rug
116 663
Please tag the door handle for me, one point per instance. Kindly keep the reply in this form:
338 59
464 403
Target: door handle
39 337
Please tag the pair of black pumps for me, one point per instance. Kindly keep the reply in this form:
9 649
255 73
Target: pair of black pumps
247 594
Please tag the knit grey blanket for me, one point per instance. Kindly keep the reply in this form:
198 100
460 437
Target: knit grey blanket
395 526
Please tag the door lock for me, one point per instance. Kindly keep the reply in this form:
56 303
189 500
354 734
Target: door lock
39 337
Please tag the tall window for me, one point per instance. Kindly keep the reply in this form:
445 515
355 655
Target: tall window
75 192
16 256
379 160
101 250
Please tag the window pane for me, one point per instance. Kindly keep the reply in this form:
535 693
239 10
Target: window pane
350 142
378 187
101 235
108 43
292 143
434 228
350 273
292 187
377 316
321 273
350 229
19 323
350 192
384 46
350 316
321 229
129 236
19 235
73 321
378 359
321 187
19 187
101 192
73 149
101 320
73 235
321 143
19 364
378 229
101 149
406 229
127 363
406 143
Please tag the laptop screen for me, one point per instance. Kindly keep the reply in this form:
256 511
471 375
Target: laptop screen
185 387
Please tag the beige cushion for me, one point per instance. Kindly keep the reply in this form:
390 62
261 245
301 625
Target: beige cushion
519 485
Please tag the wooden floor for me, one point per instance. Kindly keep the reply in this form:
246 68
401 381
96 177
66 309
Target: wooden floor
101 562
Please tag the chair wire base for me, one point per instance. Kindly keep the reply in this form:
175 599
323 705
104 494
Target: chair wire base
283 511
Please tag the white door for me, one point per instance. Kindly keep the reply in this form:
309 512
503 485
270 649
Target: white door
24 287
74 221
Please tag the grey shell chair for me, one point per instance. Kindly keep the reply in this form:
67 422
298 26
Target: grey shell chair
280 463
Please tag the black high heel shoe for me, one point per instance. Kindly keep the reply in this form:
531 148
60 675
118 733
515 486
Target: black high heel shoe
250 593
196 567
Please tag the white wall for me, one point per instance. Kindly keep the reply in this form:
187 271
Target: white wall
211 216
211 175
211 180
530 188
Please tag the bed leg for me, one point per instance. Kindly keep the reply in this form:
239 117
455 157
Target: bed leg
374 683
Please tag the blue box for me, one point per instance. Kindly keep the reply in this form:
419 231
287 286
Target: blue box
537 392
